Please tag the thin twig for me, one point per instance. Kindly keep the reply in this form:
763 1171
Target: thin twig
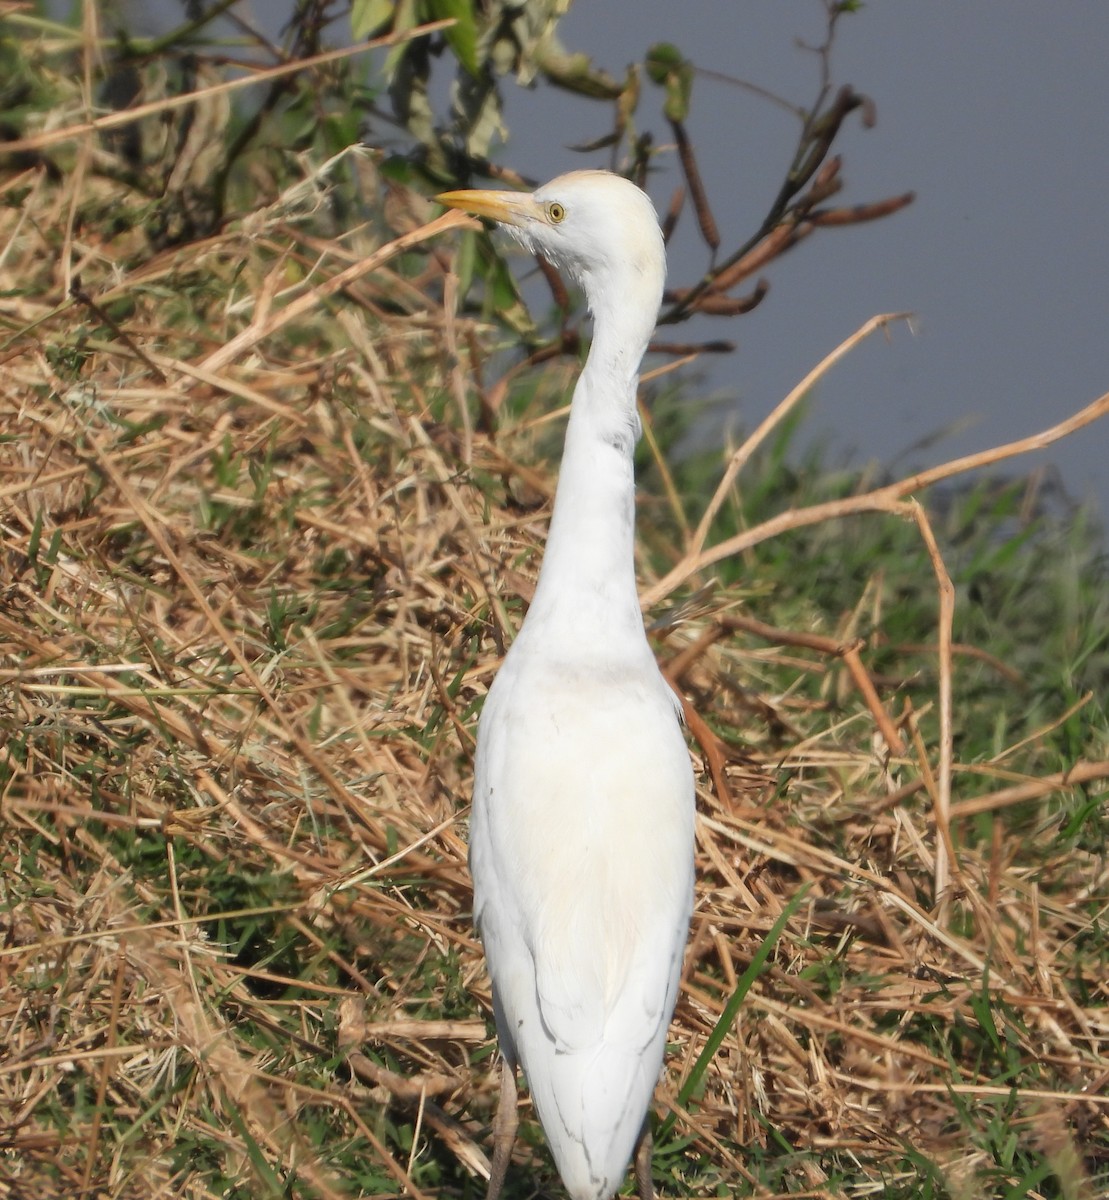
742 456
848 652
1034 789
264 325
117 120
945 847
878 500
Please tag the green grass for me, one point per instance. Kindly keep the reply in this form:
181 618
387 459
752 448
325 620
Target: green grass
249 617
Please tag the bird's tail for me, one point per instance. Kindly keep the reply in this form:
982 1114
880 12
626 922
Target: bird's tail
592 1106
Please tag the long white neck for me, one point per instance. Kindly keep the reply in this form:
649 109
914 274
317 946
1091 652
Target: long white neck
586 599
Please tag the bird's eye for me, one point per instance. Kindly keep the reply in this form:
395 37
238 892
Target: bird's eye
555 212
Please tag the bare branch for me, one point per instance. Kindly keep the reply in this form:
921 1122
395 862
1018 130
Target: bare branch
880 499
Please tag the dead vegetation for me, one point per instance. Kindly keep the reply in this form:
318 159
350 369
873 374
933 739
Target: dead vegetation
258 567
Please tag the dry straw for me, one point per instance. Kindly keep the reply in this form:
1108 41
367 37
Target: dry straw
257 574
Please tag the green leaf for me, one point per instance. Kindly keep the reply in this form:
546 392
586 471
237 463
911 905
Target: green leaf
679 88
504 298
465 262
981 1007
267 1182
371 18
667 67
404 18
662 59
1031 1180
731 1009
462 35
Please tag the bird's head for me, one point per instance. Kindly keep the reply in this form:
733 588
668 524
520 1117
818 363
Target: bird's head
598 227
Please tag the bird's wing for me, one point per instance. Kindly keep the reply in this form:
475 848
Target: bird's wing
582 856
581 851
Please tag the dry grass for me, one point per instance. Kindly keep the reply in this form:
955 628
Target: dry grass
258 568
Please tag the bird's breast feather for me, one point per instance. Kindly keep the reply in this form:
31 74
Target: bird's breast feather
582 839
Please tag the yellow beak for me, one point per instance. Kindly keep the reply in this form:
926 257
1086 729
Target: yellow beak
509 208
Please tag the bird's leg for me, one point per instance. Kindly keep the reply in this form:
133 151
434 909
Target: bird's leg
643 1152
504 1129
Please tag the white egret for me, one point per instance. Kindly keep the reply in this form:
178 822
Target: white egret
581 838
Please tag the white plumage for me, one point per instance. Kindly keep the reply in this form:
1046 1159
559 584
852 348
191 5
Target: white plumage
581 839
